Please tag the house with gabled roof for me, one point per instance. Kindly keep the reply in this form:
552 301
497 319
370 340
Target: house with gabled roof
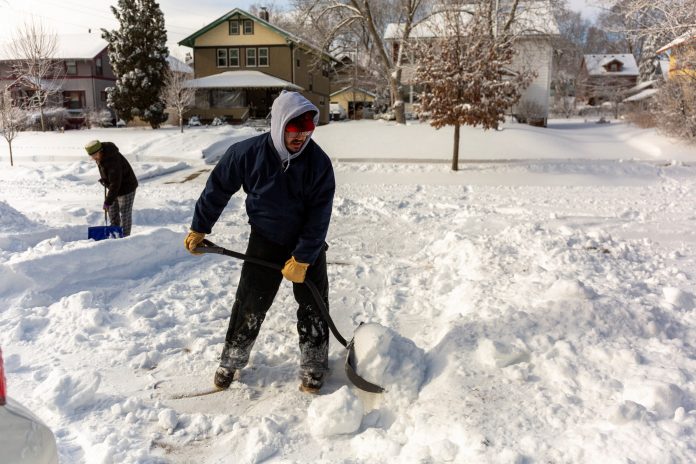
242 62
86 73
606 77
354 101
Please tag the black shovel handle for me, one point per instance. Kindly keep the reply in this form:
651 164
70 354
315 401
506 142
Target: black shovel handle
206 246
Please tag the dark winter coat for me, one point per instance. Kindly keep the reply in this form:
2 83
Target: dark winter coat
291 207
116 173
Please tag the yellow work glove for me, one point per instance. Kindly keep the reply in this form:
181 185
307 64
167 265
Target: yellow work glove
294 270
192 240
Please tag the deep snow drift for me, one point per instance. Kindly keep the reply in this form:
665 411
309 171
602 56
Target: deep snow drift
539 309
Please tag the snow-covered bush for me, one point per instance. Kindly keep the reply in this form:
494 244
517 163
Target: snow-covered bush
54 118
530 112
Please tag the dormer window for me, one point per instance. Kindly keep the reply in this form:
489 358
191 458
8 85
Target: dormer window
614 66
248 27
234 27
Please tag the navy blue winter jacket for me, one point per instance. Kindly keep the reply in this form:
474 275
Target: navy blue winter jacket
291 207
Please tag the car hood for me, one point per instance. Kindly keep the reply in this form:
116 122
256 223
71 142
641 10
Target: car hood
24 439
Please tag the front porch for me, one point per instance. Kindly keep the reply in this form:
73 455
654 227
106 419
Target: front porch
236 95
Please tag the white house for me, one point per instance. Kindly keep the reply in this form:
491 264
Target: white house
535 26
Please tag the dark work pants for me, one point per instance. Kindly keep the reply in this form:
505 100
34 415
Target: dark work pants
257 288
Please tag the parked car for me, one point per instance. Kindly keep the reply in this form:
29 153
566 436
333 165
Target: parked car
337 112
219 121
24 439
194 121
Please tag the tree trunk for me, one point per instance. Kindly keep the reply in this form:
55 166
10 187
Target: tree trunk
41 113
397 102
11 161
455 151
181 123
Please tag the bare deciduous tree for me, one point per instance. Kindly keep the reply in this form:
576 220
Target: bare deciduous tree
646 25
11 119
367 20
33 52
177 95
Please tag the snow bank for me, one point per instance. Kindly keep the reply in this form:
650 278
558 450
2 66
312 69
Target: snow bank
12 220
66 266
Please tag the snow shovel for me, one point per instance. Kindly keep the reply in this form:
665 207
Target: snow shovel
103 232
209 247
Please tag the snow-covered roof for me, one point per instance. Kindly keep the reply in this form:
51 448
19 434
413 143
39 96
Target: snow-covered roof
682 39
241 80
177 65
80 46
642 86
357 89
595 64
647 93
70 47
532 18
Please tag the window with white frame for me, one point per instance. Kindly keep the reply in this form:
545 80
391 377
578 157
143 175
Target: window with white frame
71 68
263 56
251 57
234 57
221 57
248 27
234 27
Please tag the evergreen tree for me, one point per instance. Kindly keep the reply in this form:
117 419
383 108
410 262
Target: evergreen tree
138 55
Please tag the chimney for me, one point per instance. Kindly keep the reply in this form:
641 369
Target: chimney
263 14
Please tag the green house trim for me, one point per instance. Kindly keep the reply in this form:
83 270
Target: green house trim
237 14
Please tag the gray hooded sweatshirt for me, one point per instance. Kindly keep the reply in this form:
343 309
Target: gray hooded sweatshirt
287 106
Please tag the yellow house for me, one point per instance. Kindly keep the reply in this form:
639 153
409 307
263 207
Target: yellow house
682 55
242 62
354 101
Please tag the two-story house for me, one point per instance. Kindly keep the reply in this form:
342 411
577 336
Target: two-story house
242 62
606 77
86 73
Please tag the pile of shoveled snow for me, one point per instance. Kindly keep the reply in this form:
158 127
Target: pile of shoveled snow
12 220
382 357
385 358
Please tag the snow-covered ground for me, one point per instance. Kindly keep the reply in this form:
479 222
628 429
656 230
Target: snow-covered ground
537 306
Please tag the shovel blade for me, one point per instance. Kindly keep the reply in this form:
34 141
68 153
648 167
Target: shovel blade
353 376
103 232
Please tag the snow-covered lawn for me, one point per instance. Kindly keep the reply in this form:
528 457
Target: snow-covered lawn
550 295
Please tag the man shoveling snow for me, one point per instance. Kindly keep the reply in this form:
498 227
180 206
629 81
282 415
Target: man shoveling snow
289 182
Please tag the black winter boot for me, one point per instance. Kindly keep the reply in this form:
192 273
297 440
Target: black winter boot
312 382
224 377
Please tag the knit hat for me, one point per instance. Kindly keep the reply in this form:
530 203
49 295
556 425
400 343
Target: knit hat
302 123
93 147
